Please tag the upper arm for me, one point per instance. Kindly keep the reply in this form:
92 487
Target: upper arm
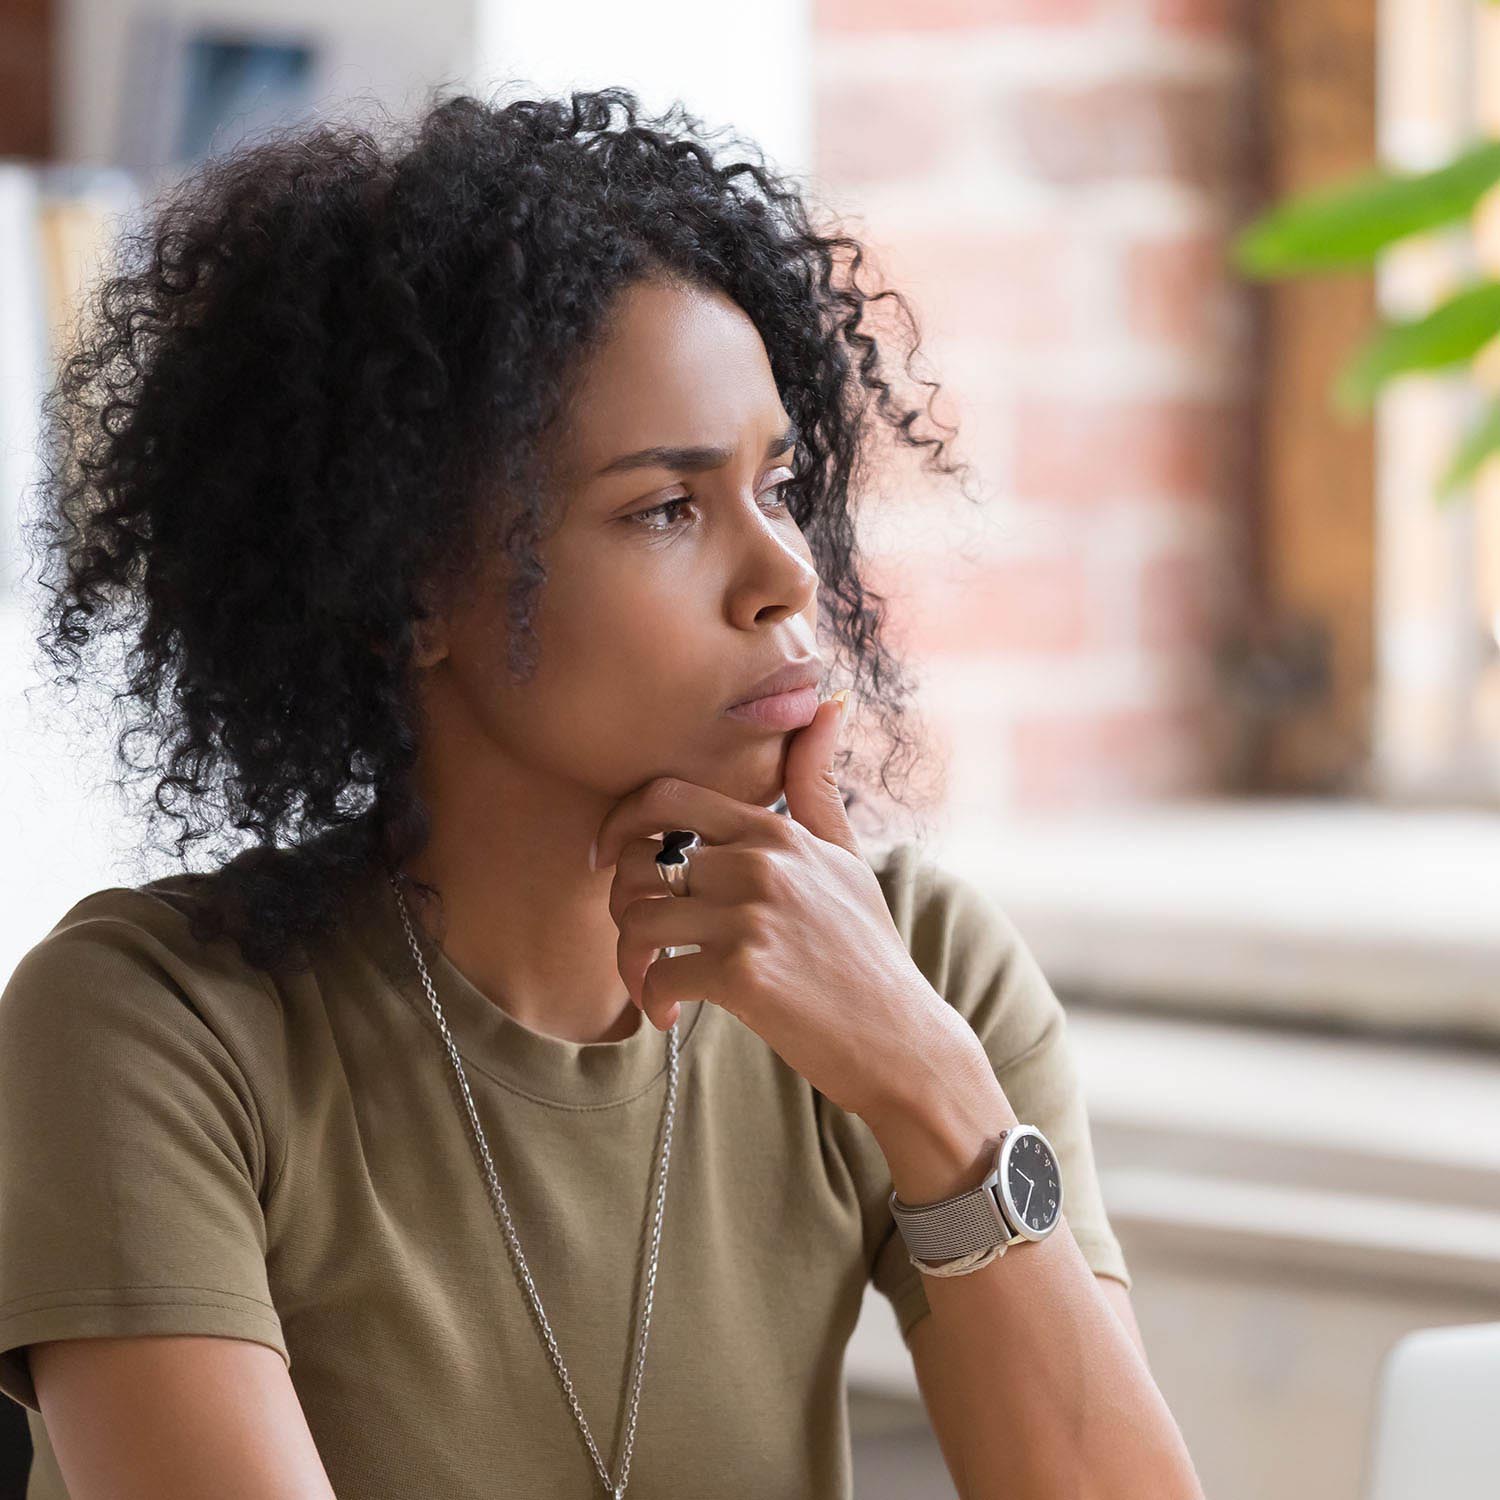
134 1152
933 1380
173 1418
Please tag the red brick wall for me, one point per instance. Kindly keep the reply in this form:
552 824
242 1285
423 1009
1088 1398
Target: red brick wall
1052 183
26 60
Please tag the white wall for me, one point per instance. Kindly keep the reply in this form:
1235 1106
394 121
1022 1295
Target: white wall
748 67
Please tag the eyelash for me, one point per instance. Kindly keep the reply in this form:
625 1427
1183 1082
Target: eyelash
672 504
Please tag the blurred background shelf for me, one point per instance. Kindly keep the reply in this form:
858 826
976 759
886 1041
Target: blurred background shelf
1310 910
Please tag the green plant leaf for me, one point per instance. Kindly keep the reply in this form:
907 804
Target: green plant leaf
1481 443
1350 223
1451 334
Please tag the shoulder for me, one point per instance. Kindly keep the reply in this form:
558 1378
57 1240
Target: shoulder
968 949
949 921
122 968
148 927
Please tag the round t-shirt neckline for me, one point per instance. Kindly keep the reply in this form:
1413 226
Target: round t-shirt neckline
550 1069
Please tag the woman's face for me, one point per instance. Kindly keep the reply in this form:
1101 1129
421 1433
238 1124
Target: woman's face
653 620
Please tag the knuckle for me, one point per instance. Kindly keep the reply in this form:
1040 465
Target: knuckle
665 791
741 966
774 875
761 874
780 833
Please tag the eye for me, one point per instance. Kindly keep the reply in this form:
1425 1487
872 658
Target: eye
776 489
668 508
637 517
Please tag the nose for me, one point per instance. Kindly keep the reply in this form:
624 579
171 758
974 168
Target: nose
773 567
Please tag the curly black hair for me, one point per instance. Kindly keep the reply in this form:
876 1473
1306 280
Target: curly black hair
314 390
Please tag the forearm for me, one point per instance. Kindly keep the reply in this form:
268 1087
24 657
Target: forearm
1052 1397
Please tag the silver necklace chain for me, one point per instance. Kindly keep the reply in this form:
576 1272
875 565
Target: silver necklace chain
498 1198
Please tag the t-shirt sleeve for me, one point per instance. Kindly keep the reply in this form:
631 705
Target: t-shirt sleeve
133 1153
973 955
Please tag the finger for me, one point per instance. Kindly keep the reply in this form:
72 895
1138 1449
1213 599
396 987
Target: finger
724 871
671 982
668 802
811 786
638 876
648 926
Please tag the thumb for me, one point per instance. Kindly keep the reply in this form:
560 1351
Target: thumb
812 790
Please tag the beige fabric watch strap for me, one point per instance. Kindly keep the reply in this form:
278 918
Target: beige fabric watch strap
955 1231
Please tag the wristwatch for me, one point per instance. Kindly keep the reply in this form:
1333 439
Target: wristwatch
1021 1198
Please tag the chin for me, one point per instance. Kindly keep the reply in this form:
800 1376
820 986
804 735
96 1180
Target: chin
759 780
768 791
751 771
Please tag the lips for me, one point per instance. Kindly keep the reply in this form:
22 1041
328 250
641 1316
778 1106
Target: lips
779 711
801 672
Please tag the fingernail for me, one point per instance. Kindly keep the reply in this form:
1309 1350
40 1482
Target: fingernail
593 854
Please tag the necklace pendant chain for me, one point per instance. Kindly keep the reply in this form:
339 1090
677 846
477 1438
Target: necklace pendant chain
615 1490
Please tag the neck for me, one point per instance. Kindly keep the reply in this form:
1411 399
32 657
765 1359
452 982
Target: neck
523 918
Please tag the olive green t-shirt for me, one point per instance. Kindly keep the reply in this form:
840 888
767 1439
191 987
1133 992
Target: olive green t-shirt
189 1146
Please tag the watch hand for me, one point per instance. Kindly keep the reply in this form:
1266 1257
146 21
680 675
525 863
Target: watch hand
1031 1188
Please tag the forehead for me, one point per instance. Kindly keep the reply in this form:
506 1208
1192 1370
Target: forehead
677 366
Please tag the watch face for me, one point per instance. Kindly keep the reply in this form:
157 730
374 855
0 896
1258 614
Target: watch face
1035 1183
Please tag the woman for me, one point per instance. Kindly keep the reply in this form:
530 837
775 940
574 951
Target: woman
454 490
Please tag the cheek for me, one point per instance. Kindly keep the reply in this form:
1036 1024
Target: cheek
624 660
609 634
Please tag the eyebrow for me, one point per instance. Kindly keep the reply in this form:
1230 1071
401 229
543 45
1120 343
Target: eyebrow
693 459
